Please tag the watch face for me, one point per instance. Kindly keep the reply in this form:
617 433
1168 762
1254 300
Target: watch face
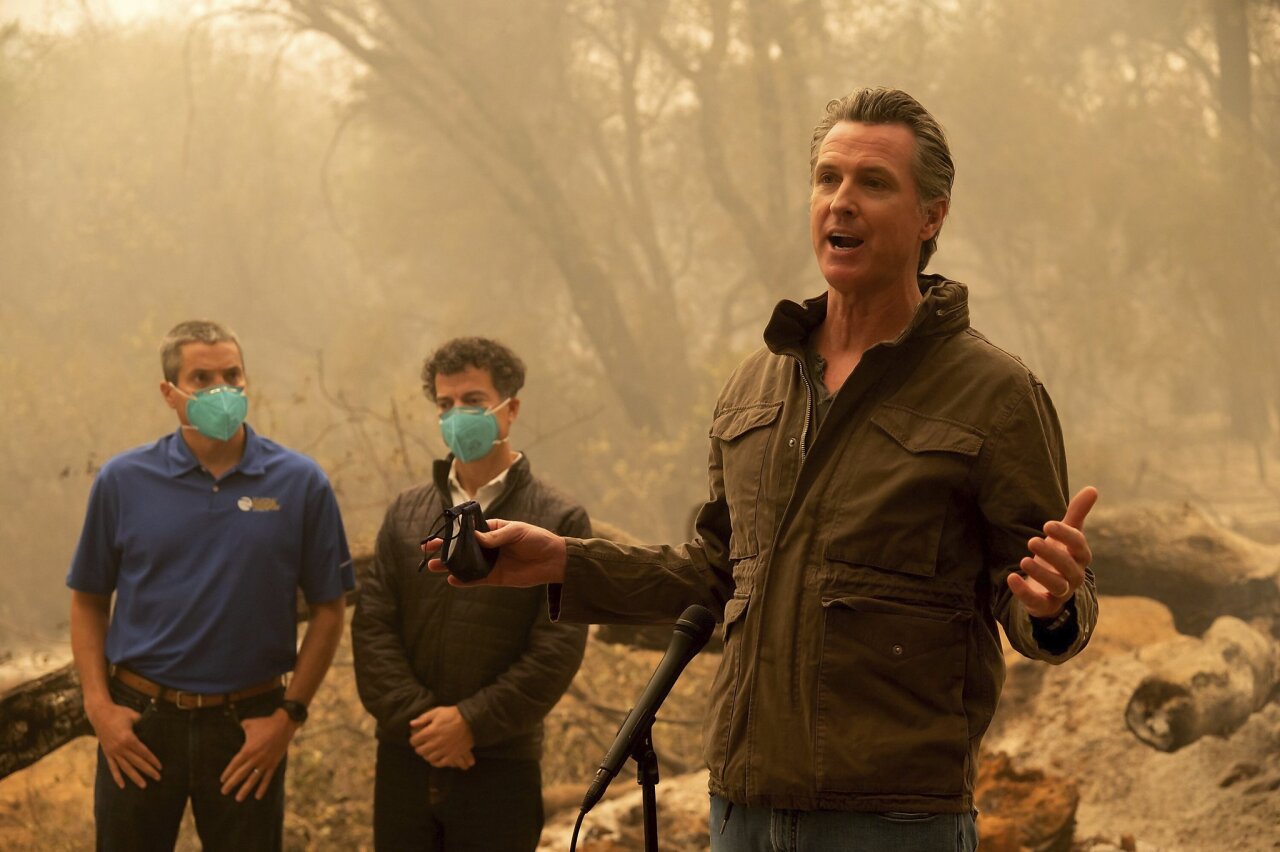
296 710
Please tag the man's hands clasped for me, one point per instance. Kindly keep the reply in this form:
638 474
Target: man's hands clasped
443 738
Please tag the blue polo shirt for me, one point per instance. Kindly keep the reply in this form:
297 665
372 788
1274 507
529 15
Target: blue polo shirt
205 572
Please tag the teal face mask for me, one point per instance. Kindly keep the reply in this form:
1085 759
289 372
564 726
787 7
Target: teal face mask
470 431
216 412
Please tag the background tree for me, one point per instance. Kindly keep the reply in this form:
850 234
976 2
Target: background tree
618 189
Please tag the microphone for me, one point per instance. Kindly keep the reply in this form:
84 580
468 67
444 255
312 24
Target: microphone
693 629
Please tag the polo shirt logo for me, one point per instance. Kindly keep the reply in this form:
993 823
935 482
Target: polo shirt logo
258 504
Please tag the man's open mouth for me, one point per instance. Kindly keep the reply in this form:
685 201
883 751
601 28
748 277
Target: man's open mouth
843 241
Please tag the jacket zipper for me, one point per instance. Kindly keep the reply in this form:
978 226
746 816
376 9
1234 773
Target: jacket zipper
808 409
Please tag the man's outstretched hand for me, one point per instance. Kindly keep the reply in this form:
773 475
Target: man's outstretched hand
527 555
1056 566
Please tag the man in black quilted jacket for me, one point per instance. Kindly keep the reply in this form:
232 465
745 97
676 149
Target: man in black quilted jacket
459 682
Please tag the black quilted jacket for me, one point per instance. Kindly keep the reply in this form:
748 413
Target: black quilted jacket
421 643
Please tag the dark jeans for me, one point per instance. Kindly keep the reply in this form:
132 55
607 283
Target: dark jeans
779 830
495 806
193 746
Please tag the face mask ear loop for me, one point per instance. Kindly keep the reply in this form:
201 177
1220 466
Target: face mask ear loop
443 530
188 397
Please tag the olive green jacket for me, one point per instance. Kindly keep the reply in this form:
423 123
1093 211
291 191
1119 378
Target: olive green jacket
860 569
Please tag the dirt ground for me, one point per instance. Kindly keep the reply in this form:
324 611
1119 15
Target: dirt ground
1217 794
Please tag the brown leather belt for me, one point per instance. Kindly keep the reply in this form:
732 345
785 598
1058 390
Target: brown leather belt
184 700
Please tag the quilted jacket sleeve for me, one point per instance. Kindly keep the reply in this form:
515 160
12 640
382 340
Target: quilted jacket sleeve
522 695
385 680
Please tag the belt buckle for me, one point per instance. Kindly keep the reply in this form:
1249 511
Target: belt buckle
177 700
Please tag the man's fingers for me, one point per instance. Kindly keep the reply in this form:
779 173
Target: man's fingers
1047 576
500 533
264 782
431 545
246 787
1033 596
1056 555
114 766
424 739
1078 508
144 762
144 758
133 774
255 785
232 769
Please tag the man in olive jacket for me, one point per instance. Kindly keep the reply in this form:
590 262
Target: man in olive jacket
886 487
460 682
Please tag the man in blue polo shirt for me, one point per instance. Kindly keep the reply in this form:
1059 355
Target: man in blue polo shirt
203 537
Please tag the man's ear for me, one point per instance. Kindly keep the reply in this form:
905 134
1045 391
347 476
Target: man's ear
171 397
935 214
514 407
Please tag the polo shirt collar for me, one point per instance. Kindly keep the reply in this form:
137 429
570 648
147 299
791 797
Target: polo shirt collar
182 461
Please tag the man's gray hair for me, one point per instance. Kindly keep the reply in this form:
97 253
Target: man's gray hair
192 331
932 168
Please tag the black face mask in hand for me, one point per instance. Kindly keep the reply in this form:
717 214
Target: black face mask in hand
461 553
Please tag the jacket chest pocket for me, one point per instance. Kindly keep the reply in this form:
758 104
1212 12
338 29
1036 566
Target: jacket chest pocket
909 474
745 437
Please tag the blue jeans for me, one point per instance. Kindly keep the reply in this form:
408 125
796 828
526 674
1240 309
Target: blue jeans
193 747
778 830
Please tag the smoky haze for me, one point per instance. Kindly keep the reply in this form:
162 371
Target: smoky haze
619 192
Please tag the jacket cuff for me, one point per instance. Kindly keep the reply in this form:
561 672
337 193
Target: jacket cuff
564 601
473 714
1033 637
1056 635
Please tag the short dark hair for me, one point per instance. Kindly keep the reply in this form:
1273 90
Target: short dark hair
932 167
504 366
192 331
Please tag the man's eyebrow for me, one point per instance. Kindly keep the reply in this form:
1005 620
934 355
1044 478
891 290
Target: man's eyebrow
875 169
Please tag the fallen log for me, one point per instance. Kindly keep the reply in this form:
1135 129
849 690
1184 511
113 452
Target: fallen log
44 714
1202 687
1181 557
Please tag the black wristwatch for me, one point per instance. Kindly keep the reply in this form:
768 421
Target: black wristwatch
296 710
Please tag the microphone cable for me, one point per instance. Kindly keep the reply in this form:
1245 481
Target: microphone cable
573 844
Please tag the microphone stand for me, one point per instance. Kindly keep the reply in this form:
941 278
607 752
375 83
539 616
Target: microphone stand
647 777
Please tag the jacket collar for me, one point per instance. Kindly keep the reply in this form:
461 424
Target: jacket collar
944 311
517 475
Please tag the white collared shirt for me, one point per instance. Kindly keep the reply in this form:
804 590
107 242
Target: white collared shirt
486 494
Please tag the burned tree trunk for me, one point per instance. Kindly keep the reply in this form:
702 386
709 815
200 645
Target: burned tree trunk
1182 558
1203 686
38 717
